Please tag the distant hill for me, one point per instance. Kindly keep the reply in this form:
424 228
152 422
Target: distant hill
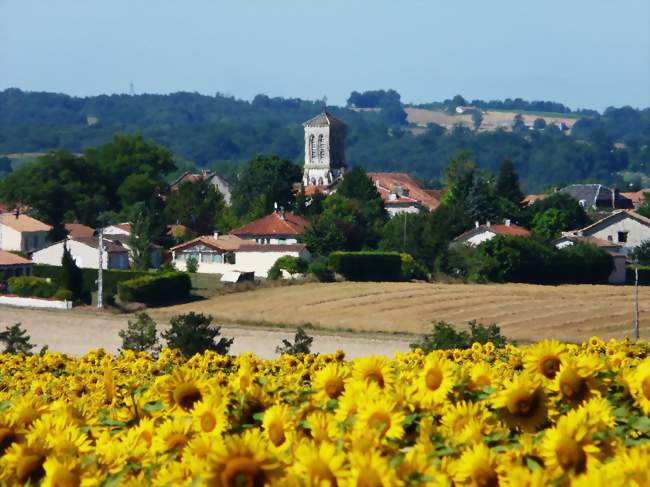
221 131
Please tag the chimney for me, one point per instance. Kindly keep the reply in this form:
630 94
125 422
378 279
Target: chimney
283 213
476 224
487 224
17 212
508 222
215 234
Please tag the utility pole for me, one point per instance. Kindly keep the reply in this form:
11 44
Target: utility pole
635 331
404 237
100 281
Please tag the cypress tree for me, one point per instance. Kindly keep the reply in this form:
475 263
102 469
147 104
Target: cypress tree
507 185
72 275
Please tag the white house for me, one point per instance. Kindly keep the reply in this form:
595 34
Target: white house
401 193
13 265
218 255
277 228
118 229
624 227
483 233
85 252
22 233
121 232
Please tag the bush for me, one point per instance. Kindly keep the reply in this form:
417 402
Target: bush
293 265
321 271
156 288
368 266
301 344
192 265
140 335
191 334
63 295
444 336
72 277
16 340
29 286
412 269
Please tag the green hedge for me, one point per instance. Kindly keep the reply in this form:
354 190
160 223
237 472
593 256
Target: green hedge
29 286
293 265
156 288
644 275
110 277
374 266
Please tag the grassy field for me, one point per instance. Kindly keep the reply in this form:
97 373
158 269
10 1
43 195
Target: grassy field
524 312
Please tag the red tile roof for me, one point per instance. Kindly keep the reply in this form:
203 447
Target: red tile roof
79 230
23 223
7 259
637 197
511 229
531 198
277 224
386 182
223 242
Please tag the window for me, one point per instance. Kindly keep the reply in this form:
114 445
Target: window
321 148
312 148
622 237
229 258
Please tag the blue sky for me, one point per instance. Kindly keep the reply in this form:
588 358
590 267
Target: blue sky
584 53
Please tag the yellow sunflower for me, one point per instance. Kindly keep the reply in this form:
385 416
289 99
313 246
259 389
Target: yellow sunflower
319 464
477 467
278 425
329 382
173 434
545 358
383 417
183 388
522 403
61 473
639 381
370 470
210 415
519 476
374 370
322 426
436 380
576 380
24 463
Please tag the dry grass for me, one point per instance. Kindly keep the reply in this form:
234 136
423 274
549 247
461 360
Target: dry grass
524 312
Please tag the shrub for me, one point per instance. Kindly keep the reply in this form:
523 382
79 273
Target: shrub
16 340
445 336
72 278
192 265
293 265
321 271
63 295
30 286
156 288
301 344
192 333
412 269
140 335
367 266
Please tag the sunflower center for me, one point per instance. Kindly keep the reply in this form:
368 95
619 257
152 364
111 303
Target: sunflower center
7 437
334 387
379 421
176 440
185 395
549 366
242 472
485 477
645 387
276 433
569 454
433 379
572 385
30 467
375 376
208 422
523 405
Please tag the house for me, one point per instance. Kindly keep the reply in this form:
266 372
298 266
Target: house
637 198
624 227
597 197
22 233
155 252
12 265
118 229
79 230
467 110
226 253
483 233
278 228
401 193
215 180
85 252
619 273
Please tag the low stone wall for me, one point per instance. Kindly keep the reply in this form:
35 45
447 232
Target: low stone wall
34 302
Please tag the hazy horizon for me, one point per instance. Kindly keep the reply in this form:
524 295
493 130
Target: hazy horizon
582 54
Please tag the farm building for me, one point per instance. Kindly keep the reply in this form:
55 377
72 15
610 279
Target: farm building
221 254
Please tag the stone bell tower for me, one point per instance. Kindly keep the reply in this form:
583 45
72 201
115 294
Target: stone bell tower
324 150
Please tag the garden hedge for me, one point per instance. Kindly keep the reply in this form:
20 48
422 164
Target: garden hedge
156 288
29 286
374 266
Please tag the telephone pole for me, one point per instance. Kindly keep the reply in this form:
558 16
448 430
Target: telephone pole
100 281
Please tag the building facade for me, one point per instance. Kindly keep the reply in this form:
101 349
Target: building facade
22 233
324 150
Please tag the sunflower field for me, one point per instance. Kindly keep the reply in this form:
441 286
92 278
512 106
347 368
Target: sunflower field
546 414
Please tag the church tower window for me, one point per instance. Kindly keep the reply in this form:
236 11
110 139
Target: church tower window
321 148
312 148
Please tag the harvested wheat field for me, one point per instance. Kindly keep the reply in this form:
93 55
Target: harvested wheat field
524 312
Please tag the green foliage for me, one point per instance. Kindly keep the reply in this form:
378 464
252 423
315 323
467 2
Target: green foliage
72 277
161 287
574 214
301 344
549 224
140 335
63 295
196 204
375 266
507 184
477 119
193 333
320 269
140 239
444 336
264 181
192 265
16 340
293 265
642 252
30 286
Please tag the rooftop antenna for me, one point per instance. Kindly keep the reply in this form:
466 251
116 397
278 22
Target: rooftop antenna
131 89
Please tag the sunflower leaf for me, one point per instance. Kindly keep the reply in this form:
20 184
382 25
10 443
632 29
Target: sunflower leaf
153 406
5 405
533 464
